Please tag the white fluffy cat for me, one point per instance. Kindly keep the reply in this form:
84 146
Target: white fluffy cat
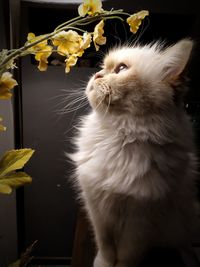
135 154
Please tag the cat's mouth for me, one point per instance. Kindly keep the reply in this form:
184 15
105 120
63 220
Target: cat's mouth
107 96
99 94
102 87
102 96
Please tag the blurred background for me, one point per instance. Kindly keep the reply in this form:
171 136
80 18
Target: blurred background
47 210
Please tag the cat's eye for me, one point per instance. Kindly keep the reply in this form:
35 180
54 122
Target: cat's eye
120 67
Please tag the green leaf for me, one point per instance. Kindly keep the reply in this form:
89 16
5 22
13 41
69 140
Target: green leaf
13 180
14 160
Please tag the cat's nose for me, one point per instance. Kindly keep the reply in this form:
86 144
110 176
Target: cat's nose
98 75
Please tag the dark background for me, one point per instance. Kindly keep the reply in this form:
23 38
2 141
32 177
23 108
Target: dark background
47 209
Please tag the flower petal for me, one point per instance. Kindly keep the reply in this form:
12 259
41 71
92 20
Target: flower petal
96 6
98 37
135 20
43 65
2 128
86 41
90 7
42 58
38 47
6 84
71 61
82 10
30 36
67 42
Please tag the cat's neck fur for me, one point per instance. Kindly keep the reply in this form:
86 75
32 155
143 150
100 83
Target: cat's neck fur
156 129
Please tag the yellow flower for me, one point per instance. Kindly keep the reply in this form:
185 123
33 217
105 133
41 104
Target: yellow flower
42 58
71 61
67 42
11 64
6 84
135 20
85 43
2 128
90 7
38 47
98 37
41 50
72 45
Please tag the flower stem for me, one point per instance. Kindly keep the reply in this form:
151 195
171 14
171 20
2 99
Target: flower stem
66 23
18 52
71 24
77 29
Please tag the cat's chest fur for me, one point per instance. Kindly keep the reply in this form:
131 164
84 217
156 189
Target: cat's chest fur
118 161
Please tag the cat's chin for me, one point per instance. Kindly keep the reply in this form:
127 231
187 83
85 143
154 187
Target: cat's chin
101 106
103 101
98 98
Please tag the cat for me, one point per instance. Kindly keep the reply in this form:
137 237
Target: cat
135 158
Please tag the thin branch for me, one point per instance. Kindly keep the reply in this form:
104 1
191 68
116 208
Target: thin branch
71 24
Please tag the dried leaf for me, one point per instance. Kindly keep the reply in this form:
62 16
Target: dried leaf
25 257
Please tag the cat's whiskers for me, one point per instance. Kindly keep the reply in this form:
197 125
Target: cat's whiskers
71 102
70 108
99 104
75 100
109 101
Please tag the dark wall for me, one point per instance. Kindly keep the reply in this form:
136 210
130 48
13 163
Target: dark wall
50 202
8 235
50 208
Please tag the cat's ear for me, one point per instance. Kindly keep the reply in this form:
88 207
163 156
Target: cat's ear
175 59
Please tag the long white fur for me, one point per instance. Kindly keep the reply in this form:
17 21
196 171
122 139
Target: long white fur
136 173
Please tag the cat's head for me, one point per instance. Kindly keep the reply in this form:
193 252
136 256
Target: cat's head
140 79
